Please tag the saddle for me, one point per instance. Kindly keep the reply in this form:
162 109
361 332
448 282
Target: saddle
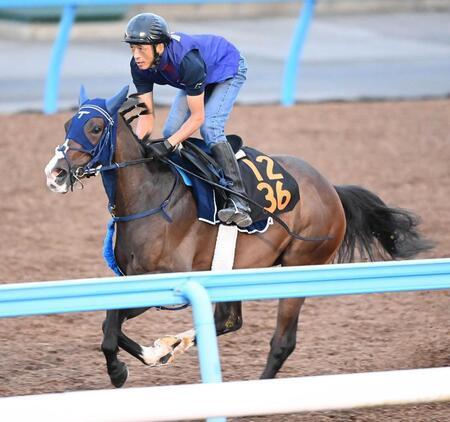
267 183
197 154
270 188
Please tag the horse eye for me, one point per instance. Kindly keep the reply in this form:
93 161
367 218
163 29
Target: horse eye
96 130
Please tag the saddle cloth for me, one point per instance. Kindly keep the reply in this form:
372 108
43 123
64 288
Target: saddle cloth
266 182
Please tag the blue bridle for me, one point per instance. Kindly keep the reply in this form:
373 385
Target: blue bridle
102 153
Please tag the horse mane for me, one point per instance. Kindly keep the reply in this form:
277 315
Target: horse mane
131 106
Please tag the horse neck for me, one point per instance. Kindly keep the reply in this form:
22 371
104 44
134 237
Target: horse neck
141 186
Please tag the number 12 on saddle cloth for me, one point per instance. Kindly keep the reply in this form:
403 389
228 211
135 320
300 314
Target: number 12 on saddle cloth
268 184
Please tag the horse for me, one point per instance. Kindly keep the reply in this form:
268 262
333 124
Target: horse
351 220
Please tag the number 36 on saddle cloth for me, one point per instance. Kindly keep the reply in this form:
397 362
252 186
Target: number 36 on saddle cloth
266 182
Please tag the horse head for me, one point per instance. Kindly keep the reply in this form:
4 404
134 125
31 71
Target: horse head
90 141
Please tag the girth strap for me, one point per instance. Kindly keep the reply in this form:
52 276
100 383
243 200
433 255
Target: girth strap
161 208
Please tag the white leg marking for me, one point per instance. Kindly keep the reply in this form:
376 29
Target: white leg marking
173 345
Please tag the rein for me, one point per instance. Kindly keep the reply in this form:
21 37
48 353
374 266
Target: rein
251 201
97 151
89 172
135 104
95 171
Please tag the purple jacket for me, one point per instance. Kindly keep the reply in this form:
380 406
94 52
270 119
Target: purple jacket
220 58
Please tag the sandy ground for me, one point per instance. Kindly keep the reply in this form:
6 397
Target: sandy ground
399 150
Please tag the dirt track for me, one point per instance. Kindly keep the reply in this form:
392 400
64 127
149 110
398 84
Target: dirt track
399 150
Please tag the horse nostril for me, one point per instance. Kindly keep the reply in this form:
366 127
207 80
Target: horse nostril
61 175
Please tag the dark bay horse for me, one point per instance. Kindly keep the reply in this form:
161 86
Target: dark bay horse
355 221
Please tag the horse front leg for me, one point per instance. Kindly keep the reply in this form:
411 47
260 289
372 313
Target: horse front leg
162 352
117 370
123 341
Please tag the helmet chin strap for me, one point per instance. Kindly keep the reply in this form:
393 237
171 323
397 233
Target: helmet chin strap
156 57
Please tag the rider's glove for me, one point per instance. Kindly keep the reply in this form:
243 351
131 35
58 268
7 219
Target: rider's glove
160 148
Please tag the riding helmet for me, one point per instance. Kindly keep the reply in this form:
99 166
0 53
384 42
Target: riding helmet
147 28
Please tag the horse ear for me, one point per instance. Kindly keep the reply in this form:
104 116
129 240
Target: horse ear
67 125
113 104
83 96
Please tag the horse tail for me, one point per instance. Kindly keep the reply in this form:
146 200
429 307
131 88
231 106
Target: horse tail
375 230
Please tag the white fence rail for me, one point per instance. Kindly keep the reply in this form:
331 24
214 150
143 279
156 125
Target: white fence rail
241 398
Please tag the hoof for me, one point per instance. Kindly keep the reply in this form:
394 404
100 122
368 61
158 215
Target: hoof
165 349
166 359
119 375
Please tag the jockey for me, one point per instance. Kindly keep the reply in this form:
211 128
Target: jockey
209 72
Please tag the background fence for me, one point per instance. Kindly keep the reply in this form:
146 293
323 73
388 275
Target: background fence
69 14
202 288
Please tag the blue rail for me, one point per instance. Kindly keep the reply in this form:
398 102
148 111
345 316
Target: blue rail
291 68
69 14
205 330
202 288
22 299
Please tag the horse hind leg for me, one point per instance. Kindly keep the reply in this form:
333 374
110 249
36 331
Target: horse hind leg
167 348
228 317
285 337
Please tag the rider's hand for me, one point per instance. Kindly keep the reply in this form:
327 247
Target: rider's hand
160 148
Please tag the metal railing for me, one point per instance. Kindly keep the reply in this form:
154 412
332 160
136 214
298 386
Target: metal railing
202 288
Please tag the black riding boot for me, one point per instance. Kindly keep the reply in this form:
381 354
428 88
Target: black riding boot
236 210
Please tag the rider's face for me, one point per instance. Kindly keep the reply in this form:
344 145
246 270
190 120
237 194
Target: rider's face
143 54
